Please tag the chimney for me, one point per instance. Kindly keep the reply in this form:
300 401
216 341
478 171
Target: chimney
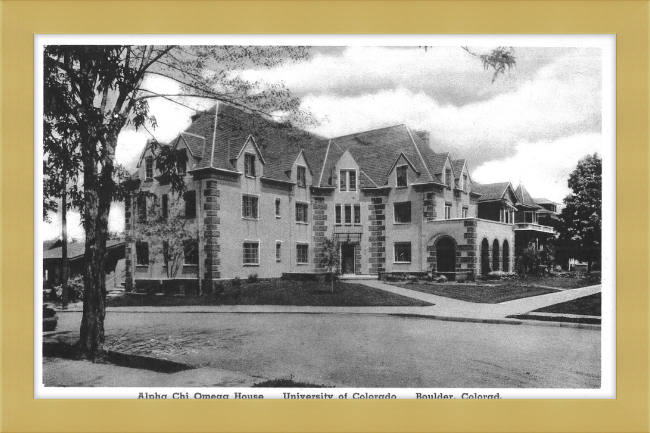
424 136
196 116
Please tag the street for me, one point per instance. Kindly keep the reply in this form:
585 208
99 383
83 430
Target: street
362 350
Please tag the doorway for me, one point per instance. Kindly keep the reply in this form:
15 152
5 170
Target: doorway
446 257
347 258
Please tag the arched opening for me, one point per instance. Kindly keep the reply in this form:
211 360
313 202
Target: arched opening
506 256
485 257
446 257
495 255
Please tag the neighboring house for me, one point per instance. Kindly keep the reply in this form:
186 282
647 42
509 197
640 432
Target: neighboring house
53 261
533 220
265 198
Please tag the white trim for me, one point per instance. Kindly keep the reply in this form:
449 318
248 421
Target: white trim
254 176
397 176
259 251
214 133
257 149
395 252
327 152
347 179
298 167
299 243
242 206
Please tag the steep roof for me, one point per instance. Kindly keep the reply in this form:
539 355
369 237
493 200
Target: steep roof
491 191
376 152
524 198
457 166
544 201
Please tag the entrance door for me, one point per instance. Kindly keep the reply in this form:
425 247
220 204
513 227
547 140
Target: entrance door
347 258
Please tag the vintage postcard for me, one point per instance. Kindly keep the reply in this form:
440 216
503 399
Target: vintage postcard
325 217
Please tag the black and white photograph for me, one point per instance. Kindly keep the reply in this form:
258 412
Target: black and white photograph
325 217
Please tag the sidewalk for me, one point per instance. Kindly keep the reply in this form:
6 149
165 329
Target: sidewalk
443 308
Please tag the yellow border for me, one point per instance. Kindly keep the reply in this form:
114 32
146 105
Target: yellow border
20 20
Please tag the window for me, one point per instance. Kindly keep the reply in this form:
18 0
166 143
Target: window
142 253
357 214
301 212
402 212
148 174
464 186
402 179
165 205
348 180
402 252
251 253
278 251
277 208
338 213
448 178
249 206
447 211
181 161
302 254
142 208
190 204
191 252
529 217
249 164
348 214
302 176
464 213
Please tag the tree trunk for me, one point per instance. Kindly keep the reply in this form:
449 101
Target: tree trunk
97 198
64 240
589 266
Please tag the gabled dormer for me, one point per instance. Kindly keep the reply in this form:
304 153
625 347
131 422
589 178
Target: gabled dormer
300 172
250 160
402 173
347 173
448 176
463 180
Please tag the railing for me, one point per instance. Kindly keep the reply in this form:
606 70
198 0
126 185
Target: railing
348 233
535 227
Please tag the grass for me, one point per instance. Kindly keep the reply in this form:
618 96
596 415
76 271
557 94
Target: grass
278 292
497 291
476 293
587 306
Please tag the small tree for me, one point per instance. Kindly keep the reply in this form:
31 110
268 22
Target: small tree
330 257
172 237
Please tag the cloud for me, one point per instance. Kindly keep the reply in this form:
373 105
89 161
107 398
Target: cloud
52 230
543 166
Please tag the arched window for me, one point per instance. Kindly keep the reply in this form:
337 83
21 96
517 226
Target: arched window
495 255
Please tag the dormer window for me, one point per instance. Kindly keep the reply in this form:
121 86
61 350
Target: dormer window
302 176
249 164
148 172
181 161
448 178
402 178
464 185
348 180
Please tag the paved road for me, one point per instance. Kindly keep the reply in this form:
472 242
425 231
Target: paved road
363 351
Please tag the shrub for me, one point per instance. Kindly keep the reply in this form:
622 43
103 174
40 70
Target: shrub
500 275
252 278
441 279
75 290
236 282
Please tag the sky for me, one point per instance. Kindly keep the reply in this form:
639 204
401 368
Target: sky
530 125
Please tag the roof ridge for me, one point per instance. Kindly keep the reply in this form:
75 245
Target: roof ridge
369 130
424 163
192 134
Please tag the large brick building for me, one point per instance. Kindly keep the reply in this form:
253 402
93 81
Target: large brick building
264 198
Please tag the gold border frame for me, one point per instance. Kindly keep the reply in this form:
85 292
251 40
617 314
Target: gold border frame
20 20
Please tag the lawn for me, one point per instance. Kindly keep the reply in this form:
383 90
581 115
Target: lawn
278 292
588 306
478 293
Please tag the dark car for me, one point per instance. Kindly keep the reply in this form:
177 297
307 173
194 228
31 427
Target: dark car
49 318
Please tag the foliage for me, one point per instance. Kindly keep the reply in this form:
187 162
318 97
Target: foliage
236 282
499 59
168 237
252 278
75 290
330 257
93 92
501 275
581 217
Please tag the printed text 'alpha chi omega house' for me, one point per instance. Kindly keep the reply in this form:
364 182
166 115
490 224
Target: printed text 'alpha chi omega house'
264 198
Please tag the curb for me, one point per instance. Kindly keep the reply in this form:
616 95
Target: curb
396 314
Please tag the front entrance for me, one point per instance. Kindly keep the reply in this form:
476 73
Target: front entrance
347 258
446 257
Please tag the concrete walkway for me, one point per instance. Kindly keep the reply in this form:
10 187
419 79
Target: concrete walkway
443 308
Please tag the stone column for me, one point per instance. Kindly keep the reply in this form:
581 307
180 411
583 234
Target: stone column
211 245
319 228
377 237
129 243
